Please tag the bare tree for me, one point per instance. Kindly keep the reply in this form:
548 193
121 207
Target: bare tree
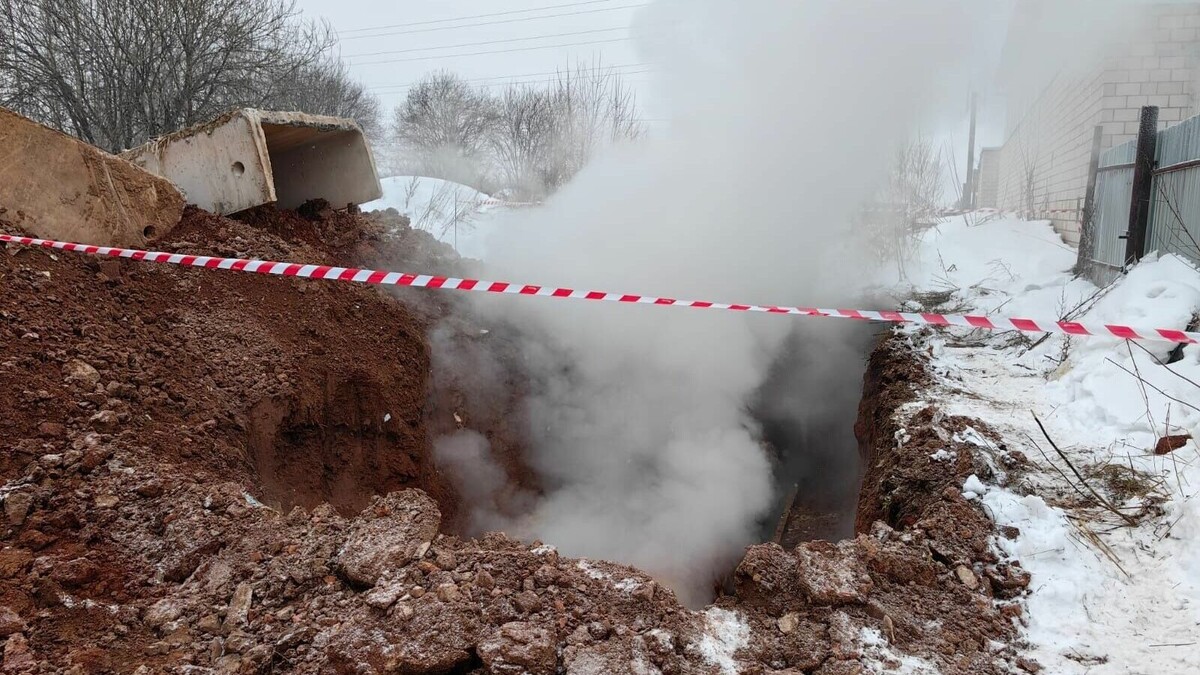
523 139
909 204
117 72
594 107
444 125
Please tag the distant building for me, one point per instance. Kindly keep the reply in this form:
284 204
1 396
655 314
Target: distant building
1042 168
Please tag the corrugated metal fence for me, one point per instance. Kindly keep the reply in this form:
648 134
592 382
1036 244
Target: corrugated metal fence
1174 225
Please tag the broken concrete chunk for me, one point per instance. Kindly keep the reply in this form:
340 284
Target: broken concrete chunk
387 535
57 187
246 158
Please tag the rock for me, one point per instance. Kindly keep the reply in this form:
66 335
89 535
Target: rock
403 611
13 562
387 536
967 577
107 501
75 573
382 597
788 623
17 655
528 602
445 558
162 612
519 648
449 593
10 622
484 580
1029 665
832 574
105 421
645 591
52 430
16 507
209 623
239 606
80 374
150 489
1169 444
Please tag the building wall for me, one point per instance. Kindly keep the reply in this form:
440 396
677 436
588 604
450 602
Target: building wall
988 196
1043 165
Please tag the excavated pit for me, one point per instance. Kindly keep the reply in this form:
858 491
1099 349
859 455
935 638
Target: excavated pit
154 409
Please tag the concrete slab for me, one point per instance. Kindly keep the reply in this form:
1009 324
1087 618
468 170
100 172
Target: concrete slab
54 186
250 157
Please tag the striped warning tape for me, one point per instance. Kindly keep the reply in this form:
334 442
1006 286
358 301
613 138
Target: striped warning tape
380 277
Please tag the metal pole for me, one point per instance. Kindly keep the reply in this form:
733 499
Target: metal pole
969 191
1143 183
1087 233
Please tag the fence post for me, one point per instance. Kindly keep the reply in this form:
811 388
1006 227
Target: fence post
1087 233
1143 183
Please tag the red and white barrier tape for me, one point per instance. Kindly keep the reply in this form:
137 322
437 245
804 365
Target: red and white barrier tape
426 281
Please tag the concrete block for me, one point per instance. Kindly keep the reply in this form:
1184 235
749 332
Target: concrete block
1160 101
1183 35
249 157
1114 102
1181 101
1148 88
1170 88
1126 115
1137 101
1171 114
54 186
1160 76
1174 62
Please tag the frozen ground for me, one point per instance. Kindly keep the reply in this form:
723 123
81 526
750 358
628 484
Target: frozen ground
1113 591
456 214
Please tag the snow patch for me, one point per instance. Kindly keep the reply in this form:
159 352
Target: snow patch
725 632
878 656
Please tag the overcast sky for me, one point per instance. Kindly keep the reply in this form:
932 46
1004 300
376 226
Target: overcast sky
425 32
391 44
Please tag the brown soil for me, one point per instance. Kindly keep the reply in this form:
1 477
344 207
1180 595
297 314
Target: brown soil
173 436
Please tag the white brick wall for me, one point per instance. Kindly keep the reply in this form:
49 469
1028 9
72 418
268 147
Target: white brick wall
1043 164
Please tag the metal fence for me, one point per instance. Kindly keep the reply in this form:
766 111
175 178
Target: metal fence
1174 220
1110 215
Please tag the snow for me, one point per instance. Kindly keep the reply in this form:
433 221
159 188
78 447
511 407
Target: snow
1105 597
725 632
973 487
454 213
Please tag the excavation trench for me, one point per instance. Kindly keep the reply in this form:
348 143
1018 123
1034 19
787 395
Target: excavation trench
808 409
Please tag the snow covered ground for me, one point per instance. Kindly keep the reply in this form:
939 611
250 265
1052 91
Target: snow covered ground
1107 596
456 214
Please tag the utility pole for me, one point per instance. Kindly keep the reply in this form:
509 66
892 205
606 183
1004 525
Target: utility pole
968 197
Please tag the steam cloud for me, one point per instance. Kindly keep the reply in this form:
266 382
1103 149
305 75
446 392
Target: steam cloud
783 116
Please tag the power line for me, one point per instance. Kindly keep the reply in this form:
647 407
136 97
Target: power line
488 23
494 51
476 16
515 82
486 42
505 77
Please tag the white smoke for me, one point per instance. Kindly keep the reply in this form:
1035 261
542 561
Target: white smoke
783 116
